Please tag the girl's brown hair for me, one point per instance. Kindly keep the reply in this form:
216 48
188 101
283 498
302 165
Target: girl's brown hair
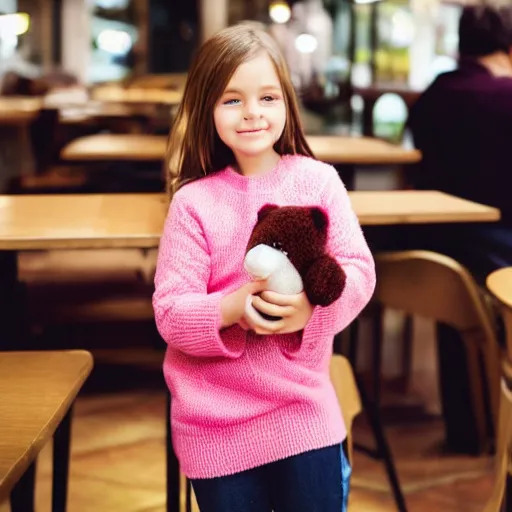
194 149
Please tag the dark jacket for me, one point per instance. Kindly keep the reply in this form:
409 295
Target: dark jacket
463 125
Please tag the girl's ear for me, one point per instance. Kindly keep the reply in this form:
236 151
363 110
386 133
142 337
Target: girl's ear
265 210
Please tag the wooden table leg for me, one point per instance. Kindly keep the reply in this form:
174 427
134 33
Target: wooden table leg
61 452
13 331
23 493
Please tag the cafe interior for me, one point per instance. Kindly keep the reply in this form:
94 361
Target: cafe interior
89 90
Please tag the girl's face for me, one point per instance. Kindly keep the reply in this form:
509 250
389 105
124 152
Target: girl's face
251 113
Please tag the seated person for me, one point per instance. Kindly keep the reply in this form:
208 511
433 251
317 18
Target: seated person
463 125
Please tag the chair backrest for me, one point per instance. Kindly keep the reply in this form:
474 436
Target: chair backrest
431 285
504 446
499 283
435 286
345 386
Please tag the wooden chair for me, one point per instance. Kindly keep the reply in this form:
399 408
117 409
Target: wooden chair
503 466
437 287
347 392
499 283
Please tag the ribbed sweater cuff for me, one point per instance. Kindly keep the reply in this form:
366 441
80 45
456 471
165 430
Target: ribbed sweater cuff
194 328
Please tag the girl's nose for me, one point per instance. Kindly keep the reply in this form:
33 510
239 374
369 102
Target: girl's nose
252 111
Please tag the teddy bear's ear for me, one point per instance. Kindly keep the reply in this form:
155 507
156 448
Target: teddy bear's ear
265 210
319 217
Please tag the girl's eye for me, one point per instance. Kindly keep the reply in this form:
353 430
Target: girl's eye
268 98
231 102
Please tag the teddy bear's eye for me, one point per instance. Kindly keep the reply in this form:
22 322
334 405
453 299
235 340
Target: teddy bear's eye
279 247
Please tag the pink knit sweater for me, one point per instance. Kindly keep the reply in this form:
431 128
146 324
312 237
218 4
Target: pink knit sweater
240 400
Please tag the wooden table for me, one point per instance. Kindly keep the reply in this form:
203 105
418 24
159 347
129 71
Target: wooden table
136 95
19 110
94 111
329 148
94 221
113 146
360 151
88 221
500 285
173 81
393 207
37 391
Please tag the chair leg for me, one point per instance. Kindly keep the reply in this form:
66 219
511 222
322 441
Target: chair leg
188 502
383 452
507 499
22 495
477 385
173 469
61 451
378 339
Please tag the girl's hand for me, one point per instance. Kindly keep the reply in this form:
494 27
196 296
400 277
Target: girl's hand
232 306
294 310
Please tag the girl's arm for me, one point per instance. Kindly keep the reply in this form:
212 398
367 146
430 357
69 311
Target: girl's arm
347 245
187 316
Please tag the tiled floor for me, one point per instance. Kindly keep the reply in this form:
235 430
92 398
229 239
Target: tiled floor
118 454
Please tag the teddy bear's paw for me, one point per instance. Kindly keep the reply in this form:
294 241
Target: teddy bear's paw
324 281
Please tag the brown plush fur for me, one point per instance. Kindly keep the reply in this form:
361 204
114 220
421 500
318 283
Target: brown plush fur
301 232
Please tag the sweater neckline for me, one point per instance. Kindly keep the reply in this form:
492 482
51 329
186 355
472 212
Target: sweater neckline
258 182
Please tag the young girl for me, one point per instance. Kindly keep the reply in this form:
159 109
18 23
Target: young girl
255 420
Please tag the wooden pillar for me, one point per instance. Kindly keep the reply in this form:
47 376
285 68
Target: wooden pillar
48 55
423 48
76 37
141 46
39 36
213 16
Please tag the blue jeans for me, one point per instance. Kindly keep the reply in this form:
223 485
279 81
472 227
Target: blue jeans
315 481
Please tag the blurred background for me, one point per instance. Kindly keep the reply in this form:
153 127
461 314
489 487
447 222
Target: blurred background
356 63
88 92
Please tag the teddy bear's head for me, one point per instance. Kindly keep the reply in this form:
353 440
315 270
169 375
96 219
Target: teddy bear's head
299 232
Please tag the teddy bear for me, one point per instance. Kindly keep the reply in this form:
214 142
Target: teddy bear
287 247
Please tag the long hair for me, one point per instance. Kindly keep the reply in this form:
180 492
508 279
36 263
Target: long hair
194 149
